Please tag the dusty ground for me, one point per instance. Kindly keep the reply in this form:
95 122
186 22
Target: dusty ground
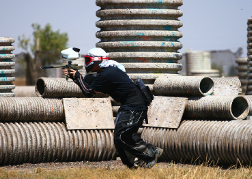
113 164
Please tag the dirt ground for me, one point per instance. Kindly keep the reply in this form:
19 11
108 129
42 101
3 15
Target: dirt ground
113 164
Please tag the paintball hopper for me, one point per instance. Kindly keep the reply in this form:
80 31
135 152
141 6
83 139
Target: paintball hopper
71 53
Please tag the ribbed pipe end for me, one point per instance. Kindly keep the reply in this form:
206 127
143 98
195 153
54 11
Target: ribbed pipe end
240 108
217 107
40 87
206 86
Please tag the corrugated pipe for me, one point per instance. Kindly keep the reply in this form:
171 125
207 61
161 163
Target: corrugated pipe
60 88
51 142
27 109
6 65
183 86
249 55
222 142
242 69
25 91
227 86
213 107
217 107
227 81
142 35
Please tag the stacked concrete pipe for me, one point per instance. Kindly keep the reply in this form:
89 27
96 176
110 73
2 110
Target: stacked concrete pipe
242 69
142 35
249 54
220 134
6 64
198 63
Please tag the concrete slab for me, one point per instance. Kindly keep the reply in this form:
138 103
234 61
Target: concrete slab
88 113
166 111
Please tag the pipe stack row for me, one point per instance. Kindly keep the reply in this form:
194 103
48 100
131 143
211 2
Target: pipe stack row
213 128
142 35
201 103
218 142
6 64
249 54
36 124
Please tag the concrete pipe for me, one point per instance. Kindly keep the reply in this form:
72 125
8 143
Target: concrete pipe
242 67
221 142
51 142
6 64
227 86
249 55
217 107
60 88
25 91
142 35
26 109
183 86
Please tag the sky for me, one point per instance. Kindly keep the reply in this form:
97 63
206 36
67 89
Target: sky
207 24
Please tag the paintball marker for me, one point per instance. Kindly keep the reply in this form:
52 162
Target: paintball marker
69 54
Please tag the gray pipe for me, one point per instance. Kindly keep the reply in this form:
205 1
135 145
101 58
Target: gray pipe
60 88
242 68
217 107
6 78
142 35
227 86
25 91
183 86
25 109
249 55
222 142
51 142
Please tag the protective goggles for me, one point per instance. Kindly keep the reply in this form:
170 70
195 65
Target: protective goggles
90 60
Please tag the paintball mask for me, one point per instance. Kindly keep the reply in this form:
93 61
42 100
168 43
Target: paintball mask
94 56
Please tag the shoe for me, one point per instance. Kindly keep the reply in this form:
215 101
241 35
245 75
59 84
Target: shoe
139 162
151 163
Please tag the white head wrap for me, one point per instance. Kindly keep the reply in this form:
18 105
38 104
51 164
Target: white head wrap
107 63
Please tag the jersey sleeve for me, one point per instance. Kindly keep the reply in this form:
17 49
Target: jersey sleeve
85 88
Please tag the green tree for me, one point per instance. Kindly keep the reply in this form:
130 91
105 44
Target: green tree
43 49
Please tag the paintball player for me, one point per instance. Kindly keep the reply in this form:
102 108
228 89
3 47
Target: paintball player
112 79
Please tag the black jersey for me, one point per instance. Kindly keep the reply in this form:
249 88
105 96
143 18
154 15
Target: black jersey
113 81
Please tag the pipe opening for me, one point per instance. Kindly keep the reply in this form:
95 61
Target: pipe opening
40 87
206 86
239 108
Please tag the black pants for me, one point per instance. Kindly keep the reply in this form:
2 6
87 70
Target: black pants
126 140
